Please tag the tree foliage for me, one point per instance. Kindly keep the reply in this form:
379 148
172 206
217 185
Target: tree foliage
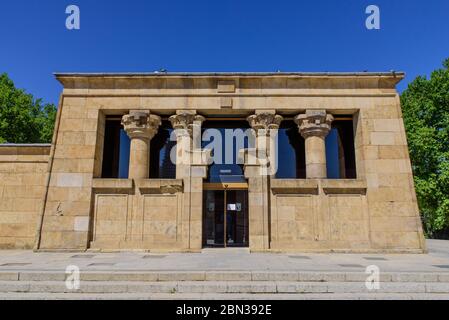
425 105
23 119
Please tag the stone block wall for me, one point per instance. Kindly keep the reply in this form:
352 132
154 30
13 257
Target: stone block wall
66 218
23 173
143 214
320 215
111 218
395 222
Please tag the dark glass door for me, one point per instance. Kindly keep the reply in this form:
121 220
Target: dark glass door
213 222
225 210
236 218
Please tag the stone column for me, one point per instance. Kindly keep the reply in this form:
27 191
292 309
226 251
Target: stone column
141 127
314 126
192 170
187 125
263 122
257 171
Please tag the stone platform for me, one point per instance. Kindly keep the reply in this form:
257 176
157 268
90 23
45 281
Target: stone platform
225 274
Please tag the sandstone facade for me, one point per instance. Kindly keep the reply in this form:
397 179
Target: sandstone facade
54 198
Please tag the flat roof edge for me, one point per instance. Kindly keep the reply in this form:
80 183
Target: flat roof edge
230 74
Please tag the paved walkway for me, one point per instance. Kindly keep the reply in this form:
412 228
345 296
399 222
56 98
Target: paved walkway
229 260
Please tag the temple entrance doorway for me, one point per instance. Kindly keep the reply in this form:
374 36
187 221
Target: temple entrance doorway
225 216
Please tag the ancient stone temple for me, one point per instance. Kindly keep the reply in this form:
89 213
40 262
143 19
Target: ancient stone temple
280 162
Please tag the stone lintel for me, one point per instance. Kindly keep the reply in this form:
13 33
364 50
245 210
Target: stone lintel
160 186
112 185
294 186
344 186
226 86
311 186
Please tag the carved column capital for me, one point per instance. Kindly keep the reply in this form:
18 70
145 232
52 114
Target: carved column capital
141 124
314 123
263 121
184 121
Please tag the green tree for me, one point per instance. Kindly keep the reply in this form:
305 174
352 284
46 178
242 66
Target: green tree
23 119
425 105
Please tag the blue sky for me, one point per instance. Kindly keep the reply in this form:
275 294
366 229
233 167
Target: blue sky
226 35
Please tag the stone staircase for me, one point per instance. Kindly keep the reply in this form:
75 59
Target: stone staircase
244 285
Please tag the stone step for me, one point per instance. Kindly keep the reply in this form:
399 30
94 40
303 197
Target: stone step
164 276
245 287
220 296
